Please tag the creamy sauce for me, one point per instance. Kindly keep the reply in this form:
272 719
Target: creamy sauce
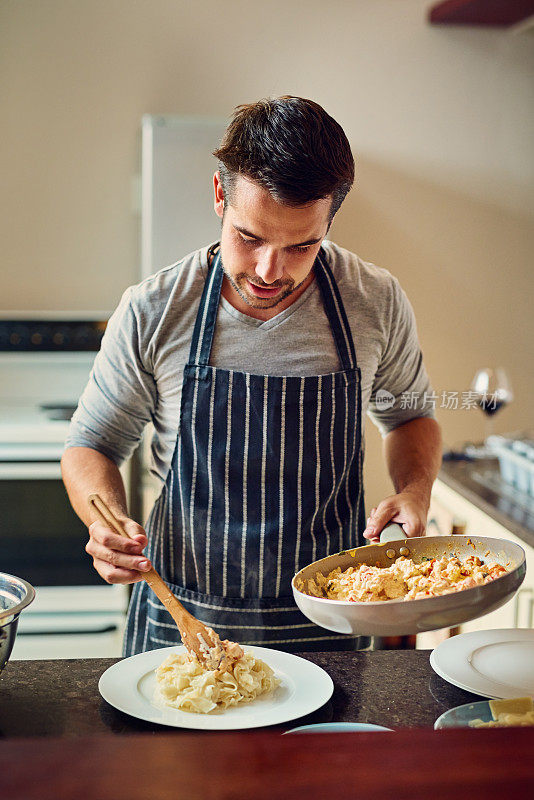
404 579
221 655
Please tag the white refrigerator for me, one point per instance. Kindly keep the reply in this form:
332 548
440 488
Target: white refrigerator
177 169
177 217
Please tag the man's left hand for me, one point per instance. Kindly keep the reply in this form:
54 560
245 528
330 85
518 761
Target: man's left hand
407 508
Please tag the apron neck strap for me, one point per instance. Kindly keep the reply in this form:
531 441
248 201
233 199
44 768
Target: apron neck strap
335 311
207 314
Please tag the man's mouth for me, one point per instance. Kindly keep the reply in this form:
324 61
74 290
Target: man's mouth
262 291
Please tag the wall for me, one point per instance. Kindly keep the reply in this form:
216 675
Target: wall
440 119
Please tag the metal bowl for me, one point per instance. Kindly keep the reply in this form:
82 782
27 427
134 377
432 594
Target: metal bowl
15 595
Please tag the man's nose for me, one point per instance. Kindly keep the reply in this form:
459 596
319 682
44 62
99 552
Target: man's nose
269 267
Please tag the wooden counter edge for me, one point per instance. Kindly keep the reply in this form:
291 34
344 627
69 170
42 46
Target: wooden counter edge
457 763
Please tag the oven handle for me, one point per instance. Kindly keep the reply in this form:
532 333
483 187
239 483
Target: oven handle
30 470
73 632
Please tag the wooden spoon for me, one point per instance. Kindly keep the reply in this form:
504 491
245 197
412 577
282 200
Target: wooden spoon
201 641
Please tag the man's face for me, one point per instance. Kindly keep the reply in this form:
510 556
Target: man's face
268 249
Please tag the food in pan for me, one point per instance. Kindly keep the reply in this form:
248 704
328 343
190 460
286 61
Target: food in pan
182 682
518 711
404 579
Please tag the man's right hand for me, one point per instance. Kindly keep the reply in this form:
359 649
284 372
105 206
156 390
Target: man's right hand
116 558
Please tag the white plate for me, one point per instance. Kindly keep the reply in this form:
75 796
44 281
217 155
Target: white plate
129 685
497 664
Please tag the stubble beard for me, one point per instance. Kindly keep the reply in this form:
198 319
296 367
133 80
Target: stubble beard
239 281
241 278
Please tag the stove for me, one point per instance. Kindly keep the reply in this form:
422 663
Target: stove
45 363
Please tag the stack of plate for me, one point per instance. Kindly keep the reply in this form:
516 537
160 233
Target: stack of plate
498 664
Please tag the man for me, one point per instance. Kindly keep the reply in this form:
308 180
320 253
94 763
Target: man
256 359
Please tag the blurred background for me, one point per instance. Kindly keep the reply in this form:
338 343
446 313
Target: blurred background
440 119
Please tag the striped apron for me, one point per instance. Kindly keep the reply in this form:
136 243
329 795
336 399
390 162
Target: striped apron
266 476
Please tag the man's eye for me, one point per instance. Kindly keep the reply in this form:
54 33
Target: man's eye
299 248
247 241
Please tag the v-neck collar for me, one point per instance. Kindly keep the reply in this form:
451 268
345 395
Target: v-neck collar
267 324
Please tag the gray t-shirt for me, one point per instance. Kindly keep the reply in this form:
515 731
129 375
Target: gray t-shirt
137 375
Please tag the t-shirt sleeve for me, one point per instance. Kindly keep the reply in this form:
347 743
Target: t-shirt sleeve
401 388
120 397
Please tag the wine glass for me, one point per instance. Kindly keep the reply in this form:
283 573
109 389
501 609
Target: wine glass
492 390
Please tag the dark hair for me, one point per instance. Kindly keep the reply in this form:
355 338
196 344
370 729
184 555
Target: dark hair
291 147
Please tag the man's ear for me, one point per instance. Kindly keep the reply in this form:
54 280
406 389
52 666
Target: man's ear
218 203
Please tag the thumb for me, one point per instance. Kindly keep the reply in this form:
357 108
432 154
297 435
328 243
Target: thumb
380 517
135 531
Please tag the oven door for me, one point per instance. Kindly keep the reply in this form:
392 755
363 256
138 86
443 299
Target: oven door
69 635
42 539
75 614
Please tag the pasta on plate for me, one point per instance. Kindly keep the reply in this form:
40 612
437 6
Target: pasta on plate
185 684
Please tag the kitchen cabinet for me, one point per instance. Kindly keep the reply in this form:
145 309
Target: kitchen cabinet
449 507
497 13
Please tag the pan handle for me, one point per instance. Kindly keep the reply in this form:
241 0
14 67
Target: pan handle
392 532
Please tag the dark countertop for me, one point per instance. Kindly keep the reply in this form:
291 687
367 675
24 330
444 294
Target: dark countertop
479 482
393 688
78 755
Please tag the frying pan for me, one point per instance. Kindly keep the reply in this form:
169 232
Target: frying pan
402 617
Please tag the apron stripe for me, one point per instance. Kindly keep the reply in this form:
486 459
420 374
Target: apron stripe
238 609
137 602
172 626
160 513
281 487
170 525
351 477
295 641
263 488
337 486
210 482
145 637
136 615
154 539
159 542
299 475
245 462
333 468
252 643
345 466
360 508
181 508
226 481
317 466
192 503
